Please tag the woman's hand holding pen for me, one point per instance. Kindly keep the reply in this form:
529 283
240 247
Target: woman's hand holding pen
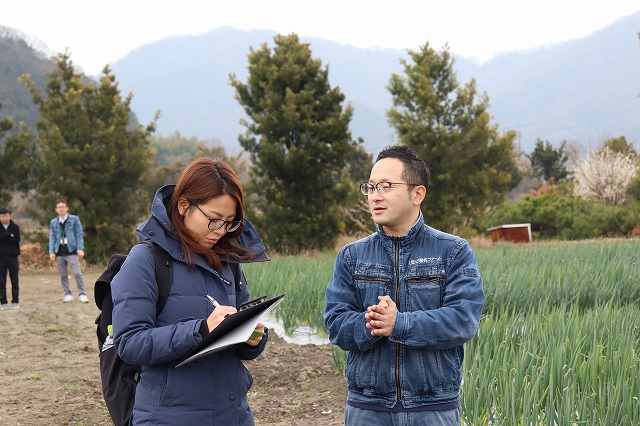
218 315
220 312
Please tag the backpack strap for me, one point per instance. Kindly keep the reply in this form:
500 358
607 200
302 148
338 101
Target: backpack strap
236 281
163 266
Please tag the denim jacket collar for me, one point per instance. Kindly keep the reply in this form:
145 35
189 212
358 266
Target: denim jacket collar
406 241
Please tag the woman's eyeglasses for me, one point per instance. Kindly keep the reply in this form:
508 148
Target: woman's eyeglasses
215 224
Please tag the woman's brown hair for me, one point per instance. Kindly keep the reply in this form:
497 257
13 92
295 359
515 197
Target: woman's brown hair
202 180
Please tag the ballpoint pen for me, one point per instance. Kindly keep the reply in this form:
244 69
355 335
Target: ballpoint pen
211 300
214 302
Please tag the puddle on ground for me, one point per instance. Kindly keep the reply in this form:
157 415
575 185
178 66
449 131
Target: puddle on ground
301 336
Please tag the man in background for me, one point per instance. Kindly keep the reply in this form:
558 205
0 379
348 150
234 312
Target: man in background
9 252
66 249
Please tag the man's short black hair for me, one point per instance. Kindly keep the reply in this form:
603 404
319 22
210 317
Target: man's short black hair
4 210
415 169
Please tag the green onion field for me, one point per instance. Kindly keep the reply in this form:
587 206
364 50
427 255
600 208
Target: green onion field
559 339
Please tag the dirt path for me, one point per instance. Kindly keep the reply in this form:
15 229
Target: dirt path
49 370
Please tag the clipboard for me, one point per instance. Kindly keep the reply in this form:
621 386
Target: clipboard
234 329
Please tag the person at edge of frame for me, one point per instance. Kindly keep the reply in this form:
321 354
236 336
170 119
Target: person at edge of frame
9 252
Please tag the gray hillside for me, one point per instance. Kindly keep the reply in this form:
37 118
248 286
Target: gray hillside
583 90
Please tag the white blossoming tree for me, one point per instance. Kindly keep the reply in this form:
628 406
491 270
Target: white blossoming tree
605 175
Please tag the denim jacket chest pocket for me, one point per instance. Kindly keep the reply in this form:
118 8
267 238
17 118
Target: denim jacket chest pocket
424 287
371 282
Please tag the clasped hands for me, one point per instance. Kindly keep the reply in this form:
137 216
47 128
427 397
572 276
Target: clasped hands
381 317
221 312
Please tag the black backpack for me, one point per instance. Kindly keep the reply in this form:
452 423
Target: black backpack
119 379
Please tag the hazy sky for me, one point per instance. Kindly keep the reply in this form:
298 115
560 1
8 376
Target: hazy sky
100 33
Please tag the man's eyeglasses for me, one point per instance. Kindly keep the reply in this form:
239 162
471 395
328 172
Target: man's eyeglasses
215 224
381 187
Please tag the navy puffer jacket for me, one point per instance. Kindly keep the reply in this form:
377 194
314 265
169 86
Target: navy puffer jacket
211 390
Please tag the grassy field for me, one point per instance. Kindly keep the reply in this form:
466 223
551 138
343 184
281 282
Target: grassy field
559 339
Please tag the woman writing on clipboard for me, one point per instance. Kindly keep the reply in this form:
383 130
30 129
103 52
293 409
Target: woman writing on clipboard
200 223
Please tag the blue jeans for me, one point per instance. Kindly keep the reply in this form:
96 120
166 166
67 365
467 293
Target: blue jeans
358 417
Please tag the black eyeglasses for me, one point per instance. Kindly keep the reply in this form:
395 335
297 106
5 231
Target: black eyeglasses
215 224
381 187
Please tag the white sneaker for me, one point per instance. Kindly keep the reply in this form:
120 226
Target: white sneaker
83 298
67 298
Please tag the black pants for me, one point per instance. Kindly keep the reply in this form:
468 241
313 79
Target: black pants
11 264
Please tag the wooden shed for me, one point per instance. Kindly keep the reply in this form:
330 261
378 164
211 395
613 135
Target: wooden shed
515 232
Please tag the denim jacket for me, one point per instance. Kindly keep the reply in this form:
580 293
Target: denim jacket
435 282
73 232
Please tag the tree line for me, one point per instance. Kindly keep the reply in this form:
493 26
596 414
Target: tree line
301 166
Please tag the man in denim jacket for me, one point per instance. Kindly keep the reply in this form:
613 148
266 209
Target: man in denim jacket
403 301
66 249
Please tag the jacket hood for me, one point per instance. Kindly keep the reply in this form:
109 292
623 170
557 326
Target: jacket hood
160 229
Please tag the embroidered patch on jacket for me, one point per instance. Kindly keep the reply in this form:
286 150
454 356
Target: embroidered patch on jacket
424 260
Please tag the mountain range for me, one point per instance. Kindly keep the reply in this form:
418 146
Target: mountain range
582 91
